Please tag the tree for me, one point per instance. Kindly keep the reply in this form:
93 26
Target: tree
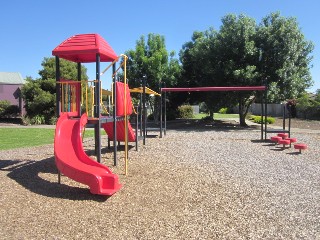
151 59
224 58
237 56
40 94
244 54
284 57
199 69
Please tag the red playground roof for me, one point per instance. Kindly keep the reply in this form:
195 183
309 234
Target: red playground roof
83 48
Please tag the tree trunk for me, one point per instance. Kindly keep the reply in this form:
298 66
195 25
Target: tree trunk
242 114
156 110
244 105
211 114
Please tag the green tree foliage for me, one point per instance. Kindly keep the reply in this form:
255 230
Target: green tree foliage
284 57
199 68
317 97
39 97
243 53
223 58
151 59
40 94
237 53
7 110
308 107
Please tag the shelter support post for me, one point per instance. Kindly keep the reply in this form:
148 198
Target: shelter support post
144 110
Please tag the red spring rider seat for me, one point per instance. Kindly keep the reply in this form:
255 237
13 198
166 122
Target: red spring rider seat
292 140
300 146
284 142
283 135
275 139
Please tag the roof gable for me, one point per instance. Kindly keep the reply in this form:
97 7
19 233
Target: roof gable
83 48
11 78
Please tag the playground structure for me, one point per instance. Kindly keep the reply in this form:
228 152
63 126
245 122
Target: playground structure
285 112
79 103
70 158
285 140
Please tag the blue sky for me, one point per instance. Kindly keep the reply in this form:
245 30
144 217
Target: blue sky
30 30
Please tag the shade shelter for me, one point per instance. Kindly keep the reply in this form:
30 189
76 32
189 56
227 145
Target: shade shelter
219 89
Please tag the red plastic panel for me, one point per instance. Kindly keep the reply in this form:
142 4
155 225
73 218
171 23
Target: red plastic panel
120 99
108 127
83 48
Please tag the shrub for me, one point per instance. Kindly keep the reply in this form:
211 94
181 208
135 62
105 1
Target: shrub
4 104
26 120
7 110
223 110
185 111
38 119
203 107
53 120
257 119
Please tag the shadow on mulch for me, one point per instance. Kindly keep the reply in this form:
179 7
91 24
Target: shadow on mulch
26 173
201 125
294 153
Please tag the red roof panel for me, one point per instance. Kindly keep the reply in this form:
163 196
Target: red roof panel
83 48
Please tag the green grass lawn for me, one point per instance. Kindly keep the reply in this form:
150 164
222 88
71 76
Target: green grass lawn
217 115
11 138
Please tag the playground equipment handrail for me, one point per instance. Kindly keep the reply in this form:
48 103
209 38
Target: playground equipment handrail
111 64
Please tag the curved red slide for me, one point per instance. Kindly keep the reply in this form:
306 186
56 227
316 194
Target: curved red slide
73 162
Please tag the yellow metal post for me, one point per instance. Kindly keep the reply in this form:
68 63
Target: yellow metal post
125 115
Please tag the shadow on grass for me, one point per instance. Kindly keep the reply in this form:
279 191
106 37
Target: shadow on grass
27 172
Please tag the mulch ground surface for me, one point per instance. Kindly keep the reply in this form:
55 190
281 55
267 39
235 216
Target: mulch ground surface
202 180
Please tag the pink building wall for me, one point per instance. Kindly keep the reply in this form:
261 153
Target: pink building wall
12 93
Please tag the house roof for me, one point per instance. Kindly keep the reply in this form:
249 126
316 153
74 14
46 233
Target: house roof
83 48
11 78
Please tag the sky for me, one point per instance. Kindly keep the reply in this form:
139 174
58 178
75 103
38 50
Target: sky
30 30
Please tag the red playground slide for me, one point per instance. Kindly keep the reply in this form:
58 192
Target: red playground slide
108 127
73 162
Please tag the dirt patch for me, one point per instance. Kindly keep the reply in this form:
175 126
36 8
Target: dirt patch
299 123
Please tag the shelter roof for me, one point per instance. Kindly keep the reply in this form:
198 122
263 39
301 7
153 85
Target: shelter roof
215 89
11 78
82 48
148 91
